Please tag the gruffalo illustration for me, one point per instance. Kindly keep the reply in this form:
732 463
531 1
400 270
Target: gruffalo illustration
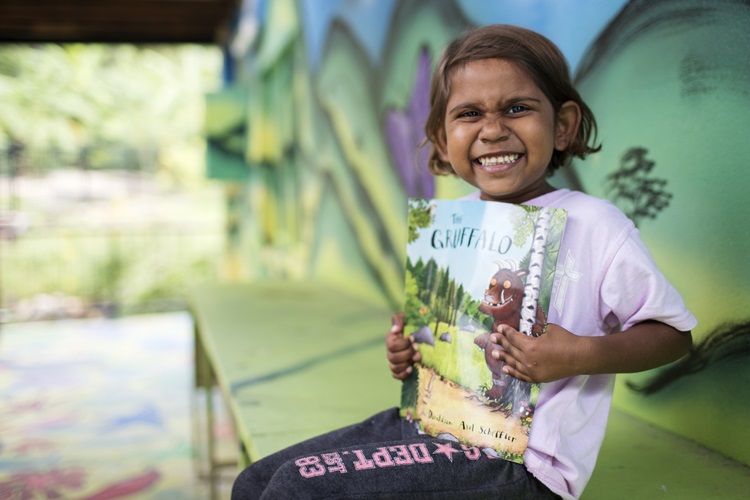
502 301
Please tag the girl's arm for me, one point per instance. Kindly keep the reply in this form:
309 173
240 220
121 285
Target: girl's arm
559 353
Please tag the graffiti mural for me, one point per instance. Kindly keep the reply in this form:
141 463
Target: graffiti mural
333 98
668 82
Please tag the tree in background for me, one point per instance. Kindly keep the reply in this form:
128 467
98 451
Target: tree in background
635 191
99 98
103 194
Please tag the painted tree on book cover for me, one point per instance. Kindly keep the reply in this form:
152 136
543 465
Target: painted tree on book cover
533 286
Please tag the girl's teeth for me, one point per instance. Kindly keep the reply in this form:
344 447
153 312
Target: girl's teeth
498 160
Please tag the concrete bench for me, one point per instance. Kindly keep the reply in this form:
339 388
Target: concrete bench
293 360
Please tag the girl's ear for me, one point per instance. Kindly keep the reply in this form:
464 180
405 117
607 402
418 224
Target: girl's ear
441 145
566 126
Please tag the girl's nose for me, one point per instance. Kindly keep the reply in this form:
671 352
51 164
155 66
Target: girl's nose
493 130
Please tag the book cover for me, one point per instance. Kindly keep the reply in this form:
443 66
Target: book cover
471 266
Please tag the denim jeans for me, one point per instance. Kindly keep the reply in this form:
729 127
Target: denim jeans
385 457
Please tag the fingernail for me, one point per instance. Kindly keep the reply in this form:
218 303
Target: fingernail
409 370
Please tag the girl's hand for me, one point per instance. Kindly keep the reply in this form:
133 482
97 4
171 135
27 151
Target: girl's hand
549 357
402 352
559 353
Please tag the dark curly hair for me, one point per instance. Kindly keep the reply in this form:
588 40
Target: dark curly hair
534 54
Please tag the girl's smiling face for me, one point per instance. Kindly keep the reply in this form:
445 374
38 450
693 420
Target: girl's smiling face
500 130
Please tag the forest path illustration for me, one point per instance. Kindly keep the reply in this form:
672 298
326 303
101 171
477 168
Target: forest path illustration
450 408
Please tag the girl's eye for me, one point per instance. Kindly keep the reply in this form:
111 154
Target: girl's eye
517 108
468 114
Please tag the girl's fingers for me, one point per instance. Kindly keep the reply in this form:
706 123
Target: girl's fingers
404 356
397 322
511 342
401 370
400 356
398 345
515 373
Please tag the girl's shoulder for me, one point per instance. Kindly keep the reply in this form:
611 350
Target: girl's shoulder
583 206
589 218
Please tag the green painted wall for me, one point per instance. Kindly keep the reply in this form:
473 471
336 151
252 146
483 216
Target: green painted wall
673 77
333 96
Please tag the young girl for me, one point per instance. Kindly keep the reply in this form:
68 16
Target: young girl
504 115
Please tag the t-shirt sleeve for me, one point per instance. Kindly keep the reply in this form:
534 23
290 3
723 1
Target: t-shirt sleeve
634 290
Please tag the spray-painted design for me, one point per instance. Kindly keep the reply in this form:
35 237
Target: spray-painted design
334 105
633 188
405 133
97 409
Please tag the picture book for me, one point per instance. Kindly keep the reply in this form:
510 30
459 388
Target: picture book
471 266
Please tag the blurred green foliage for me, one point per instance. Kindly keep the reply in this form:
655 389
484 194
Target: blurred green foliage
102 159
109 101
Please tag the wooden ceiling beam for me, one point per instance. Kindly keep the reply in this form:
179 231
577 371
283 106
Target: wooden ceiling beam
135 21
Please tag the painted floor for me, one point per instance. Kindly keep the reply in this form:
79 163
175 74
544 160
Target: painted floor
101 409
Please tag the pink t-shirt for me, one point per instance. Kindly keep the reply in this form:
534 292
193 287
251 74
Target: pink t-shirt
606 280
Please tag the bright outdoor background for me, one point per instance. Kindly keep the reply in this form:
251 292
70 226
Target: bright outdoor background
104 204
